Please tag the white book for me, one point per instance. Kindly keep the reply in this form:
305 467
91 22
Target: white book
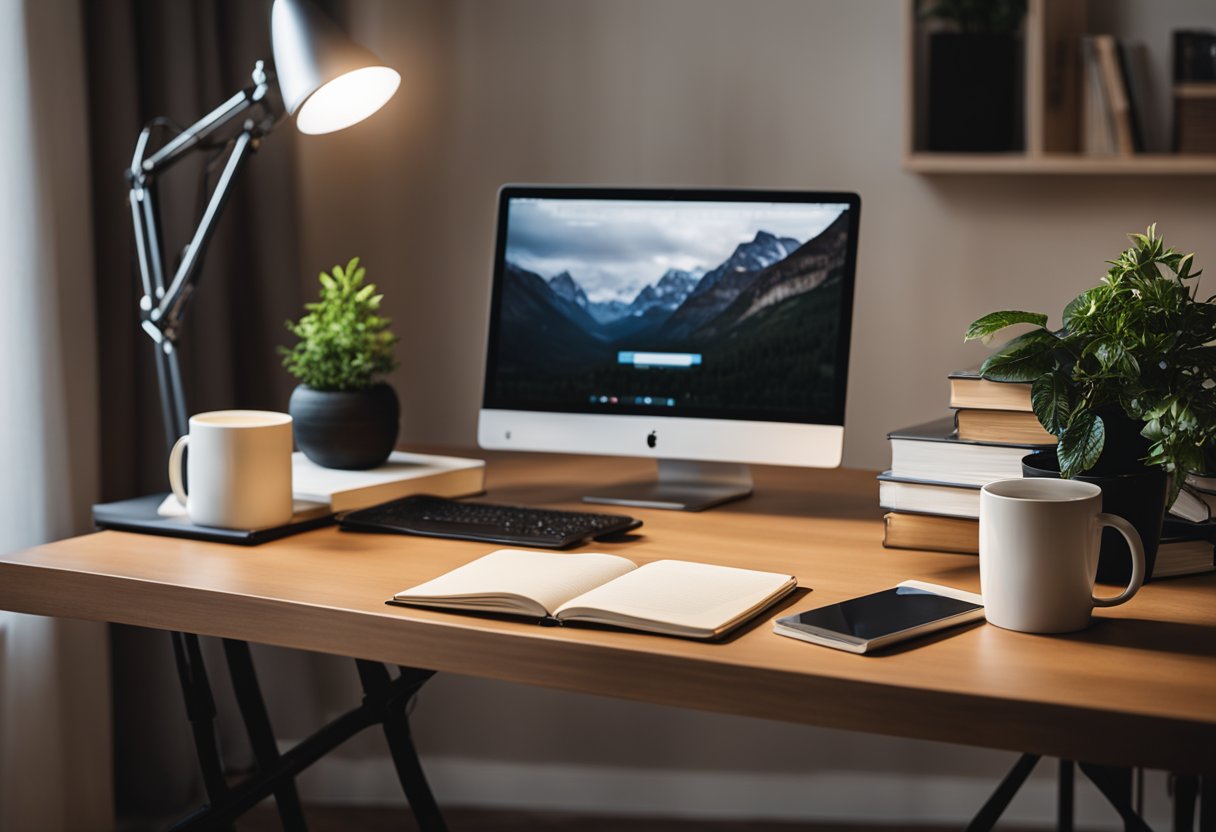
933 452
928 497
1183 557
402 475
670 597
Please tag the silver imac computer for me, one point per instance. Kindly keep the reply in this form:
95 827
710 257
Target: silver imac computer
707 329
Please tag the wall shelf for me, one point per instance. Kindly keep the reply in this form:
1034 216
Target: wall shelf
1053 29
1146 164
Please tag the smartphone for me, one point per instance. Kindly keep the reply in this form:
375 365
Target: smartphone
871 622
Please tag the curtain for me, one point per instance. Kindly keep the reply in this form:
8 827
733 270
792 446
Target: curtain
54 725
148 59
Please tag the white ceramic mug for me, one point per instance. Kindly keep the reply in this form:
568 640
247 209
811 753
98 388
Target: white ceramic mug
239 469
1039 543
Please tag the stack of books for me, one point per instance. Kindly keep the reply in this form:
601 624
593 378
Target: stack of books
932 491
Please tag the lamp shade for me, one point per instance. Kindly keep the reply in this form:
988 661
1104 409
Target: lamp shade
328 81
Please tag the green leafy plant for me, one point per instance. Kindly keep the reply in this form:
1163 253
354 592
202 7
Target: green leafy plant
979 16
1139 342
345 344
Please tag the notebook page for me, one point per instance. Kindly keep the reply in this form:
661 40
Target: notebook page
683 594
548 578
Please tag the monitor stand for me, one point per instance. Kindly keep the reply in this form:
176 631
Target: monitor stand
682 485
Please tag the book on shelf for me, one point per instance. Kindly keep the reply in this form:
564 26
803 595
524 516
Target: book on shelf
402 475
934 452
902 530
1116 107
1194 91
968 389
1011 426
1097 127
669 597
1133 62
928 497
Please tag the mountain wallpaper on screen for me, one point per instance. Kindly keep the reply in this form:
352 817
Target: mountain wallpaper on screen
765 322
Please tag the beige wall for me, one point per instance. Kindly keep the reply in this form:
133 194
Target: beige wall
772 93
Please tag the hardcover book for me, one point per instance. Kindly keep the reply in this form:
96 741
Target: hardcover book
960 535
1185 548
969 389
1005 426
669 597
402 475
928 497
934 452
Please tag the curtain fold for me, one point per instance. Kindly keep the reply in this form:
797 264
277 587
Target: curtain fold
54 702
148 59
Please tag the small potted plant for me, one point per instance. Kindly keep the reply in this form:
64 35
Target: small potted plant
345 415
1126 383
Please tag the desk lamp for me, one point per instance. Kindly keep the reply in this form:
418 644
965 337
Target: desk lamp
327 83
325 80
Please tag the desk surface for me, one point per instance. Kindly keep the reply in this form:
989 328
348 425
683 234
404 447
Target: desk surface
1138 687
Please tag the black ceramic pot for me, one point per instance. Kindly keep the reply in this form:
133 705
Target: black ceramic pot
1138 497
975 92
352 430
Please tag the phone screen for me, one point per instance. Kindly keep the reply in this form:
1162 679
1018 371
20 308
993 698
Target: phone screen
882 613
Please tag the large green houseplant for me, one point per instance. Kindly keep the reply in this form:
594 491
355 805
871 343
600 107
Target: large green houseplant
1126 382
345 415
1138 345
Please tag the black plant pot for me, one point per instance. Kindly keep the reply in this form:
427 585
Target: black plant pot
351 430
975 93
1138 497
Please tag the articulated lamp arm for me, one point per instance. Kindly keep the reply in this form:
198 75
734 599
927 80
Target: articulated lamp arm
163 304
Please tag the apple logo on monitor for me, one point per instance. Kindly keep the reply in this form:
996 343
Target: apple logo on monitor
652 439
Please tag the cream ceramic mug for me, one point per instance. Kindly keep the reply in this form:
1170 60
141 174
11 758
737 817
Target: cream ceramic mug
239 469
1039 543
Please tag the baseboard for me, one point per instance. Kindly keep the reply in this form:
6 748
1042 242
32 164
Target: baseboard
813 796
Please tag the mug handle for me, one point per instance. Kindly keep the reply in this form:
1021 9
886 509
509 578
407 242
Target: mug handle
175 469
1137 549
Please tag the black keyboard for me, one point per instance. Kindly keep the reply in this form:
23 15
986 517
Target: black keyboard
439 517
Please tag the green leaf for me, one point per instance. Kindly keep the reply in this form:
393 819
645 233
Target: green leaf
1081 444
1081 307
343 344
1051 397
994 322
1025 358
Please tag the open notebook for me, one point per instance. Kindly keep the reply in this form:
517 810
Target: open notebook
671 597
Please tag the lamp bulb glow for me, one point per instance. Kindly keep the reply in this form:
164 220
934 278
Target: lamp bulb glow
347 100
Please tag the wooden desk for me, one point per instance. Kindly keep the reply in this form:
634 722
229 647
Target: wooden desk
1138 687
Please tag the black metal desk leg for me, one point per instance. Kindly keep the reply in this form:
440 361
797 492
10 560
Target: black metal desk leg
200 710
986 818
1207 803
375 679
1115 783
1064 798
1184 789
261 735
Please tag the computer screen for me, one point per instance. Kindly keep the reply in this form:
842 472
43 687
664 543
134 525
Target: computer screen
661 312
